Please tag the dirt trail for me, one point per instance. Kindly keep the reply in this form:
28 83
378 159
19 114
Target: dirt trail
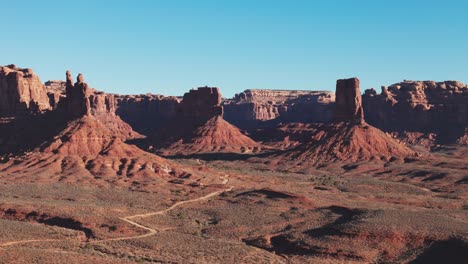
152 231
127 219
28 241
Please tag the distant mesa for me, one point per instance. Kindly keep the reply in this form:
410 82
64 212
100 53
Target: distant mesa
421 112
261 108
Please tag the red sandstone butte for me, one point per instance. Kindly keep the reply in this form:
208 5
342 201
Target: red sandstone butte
348 106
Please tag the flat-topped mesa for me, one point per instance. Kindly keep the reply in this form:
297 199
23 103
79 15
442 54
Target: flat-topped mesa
85 101
202 103
21 91
348 107
256 108
278 96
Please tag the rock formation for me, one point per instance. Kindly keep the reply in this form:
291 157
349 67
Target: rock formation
349 138
81 100
200 127
21 91
82 137
201 104
77 102
348 106
265 108
420 107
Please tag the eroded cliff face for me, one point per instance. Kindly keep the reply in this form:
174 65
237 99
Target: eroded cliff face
420 109
21 92
251 108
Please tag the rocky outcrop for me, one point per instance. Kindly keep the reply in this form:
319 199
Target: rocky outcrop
21 91
81 100
348 138
77 102
420 107
348 105
201 104
199 127
265 108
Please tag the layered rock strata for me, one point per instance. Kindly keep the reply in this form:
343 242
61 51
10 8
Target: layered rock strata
265 108
426 107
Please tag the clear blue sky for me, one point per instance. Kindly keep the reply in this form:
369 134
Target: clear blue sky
168 47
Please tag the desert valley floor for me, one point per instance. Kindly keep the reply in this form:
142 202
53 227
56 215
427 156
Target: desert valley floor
236 211
90 177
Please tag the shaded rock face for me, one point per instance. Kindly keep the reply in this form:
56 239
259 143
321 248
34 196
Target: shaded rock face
146 112
201 104
256 108
348 106
21 91
77 102
420 107
81 100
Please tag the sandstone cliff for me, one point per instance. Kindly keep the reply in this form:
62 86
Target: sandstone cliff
426 107
81 137
201 104
21 91
260 108
348 106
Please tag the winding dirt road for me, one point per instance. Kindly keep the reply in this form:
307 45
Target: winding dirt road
129 220
152 231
